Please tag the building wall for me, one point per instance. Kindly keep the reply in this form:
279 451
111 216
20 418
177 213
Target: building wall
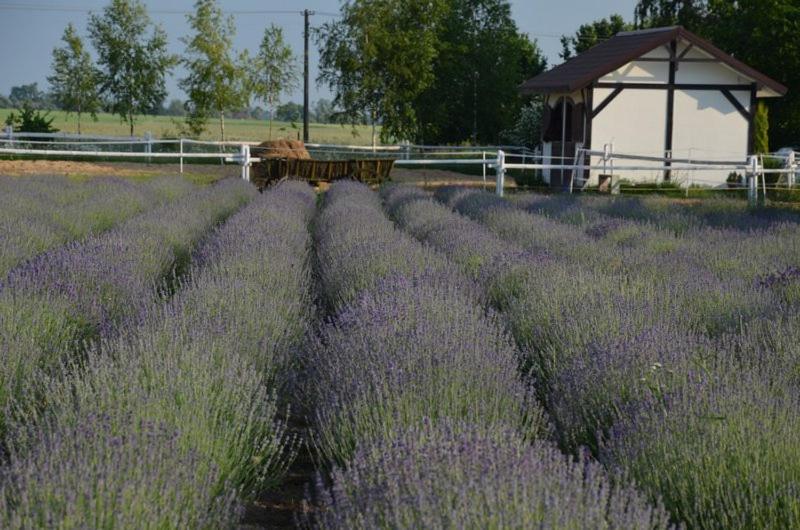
706 126
633 123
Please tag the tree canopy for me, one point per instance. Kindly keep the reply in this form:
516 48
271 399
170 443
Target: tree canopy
378 58
74 81
480 62
445 71
132 54
216 81
274 70
592 33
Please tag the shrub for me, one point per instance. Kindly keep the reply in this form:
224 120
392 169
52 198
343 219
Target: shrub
451 476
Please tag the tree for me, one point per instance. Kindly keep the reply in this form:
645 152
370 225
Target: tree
74 79
590 34
324 111
216 81
133 65
761 129
174 108
378 58
659 13
29 94
275 71
481 59
290 111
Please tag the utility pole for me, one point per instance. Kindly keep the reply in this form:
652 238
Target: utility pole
306 14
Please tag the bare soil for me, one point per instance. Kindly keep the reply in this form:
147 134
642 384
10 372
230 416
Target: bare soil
117 169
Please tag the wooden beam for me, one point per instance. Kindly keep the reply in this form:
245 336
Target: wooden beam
685 51
608 99
735 102
674 86
751 119
673 66
665 60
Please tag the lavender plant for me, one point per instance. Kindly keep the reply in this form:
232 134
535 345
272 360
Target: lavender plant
41 213
205 366
449 476
83 291
413 348
721 451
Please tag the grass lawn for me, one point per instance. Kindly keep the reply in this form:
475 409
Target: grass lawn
161 126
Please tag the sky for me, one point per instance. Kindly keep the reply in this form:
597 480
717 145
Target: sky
30 30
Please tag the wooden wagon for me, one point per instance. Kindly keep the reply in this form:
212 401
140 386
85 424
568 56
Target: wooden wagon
371 171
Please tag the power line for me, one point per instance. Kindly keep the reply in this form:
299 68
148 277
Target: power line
6 6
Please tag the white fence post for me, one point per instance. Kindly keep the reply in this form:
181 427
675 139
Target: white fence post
9 130
181 152
500 172
244 160
148 137
791 165
752 184
483 167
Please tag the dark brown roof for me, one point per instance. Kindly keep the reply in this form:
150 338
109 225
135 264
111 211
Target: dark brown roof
623 48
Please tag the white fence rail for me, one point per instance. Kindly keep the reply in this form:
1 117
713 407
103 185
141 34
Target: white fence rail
499 158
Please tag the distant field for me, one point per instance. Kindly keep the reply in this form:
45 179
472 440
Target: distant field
160 126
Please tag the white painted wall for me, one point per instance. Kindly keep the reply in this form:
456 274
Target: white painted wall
708 127
705 125
634 123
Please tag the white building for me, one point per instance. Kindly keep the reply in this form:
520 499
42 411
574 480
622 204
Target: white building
661 93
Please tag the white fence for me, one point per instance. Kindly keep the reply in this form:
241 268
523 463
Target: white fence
497 158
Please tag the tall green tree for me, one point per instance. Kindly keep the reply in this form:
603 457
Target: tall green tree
481 60
658 13
761 129
590 34
132 54
74 82
217 80
378 58
274 70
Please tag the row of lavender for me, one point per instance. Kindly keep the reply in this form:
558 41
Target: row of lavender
723 236
176 422
673 375
418 402
37 214
52 306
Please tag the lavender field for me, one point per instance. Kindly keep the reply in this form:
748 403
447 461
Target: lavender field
177 356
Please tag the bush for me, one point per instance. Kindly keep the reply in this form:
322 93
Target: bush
31 120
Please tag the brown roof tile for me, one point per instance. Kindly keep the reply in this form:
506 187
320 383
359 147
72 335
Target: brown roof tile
621 49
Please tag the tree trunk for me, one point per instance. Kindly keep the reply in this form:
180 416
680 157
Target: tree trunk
222 124
130 121
270 123
79 122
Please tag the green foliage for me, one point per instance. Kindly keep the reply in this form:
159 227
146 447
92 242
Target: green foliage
133 65
527 129
31 120
590 34
217 81
378 58
761 129
481 60
290 112
656 13
74 82
29 94
275 70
